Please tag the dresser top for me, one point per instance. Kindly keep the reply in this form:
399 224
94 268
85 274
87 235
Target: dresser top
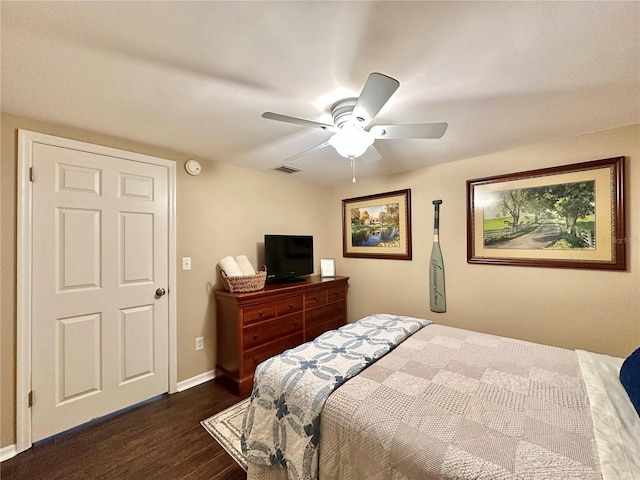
307 283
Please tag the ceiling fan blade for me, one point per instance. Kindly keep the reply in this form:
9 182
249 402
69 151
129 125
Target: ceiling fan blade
298 121
376 92
304 152
371 155
416 130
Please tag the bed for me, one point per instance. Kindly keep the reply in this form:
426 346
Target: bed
394 397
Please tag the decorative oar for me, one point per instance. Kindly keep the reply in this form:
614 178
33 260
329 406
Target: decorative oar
437 298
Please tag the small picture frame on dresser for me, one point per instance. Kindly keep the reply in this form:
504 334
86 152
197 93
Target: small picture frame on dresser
327 267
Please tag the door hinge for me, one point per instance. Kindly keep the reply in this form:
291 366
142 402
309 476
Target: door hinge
30 399
31 174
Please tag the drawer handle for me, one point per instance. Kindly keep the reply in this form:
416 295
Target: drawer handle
290 305
255 359
260 313
295 322
255 336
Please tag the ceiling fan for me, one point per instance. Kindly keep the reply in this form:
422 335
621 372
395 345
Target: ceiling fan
353 134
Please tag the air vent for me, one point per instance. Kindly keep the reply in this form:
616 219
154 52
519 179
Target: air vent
288 169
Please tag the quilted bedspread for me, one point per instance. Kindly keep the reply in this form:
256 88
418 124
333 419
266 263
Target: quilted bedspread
282 423
450 403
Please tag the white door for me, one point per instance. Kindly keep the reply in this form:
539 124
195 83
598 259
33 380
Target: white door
99 339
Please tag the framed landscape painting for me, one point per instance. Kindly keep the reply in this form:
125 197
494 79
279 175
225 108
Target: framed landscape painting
569 216
377 226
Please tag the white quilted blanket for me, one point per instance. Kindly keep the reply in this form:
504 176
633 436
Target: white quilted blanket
282 424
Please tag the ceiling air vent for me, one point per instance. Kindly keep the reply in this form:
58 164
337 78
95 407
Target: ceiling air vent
288 169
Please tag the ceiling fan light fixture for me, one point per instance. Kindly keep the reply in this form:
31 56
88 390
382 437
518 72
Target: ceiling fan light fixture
353 114
351 141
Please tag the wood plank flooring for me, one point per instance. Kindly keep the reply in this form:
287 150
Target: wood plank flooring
162 439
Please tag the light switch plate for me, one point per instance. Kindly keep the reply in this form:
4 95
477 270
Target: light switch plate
186 263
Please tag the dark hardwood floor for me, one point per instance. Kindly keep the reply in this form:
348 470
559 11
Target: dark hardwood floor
162 439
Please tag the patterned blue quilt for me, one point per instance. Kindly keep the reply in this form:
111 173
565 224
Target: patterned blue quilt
282 423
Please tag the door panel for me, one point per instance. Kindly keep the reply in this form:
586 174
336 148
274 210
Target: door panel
136 247
100 251
78 233
78 369
75 178
137 350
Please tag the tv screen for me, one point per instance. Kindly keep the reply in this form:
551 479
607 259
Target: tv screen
288 257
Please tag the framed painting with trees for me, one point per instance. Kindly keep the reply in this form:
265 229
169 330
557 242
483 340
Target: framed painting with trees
568 216
377 226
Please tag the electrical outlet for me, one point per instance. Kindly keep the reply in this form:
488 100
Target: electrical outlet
199 343
186 263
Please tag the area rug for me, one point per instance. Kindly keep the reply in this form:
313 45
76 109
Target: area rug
226 427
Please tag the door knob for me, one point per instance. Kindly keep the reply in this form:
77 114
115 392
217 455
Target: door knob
160 292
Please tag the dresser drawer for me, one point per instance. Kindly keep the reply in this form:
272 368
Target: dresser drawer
262 332
259 312
253 357
314 299
336 294
289 305
324 314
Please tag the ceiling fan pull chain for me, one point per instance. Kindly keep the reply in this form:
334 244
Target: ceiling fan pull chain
353 169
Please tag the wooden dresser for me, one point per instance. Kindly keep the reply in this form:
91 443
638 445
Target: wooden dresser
252 327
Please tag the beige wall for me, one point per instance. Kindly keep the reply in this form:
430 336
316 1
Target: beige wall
573 308
223 211
227 210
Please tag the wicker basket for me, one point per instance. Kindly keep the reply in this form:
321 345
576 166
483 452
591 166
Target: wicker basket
245 283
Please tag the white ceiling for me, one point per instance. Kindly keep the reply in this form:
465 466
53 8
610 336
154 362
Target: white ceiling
195 77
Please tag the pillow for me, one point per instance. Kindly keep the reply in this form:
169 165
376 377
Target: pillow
630 378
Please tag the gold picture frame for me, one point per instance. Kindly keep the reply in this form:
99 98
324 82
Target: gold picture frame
377 226
568 216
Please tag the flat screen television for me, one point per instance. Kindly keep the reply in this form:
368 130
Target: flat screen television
288 257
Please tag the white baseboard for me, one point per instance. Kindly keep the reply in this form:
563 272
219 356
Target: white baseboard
8 452
197 380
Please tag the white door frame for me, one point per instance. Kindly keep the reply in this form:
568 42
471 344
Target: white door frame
26 140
